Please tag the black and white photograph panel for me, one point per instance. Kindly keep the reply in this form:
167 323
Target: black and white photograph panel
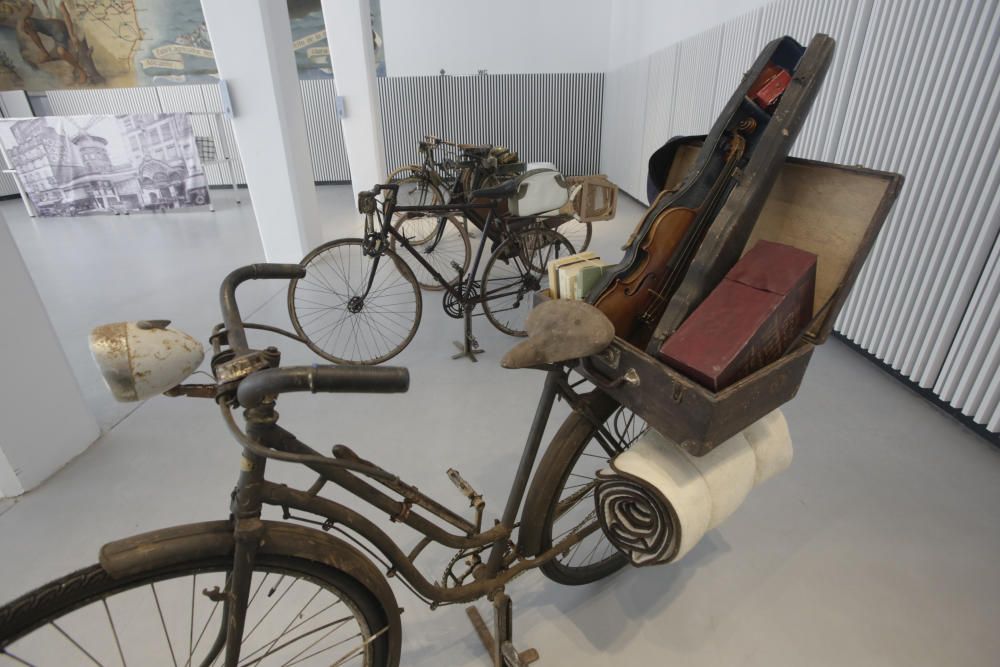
80 165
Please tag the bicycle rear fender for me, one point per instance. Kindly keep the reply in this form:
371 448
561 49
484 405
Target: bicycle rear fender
145 551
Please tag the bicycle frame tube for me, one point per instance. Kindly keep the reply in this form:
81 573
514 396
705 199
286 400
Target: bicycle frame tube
253 491
388 229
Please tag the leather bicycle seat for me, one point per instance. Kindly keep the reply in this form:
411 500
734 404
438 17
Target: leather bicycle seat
558 331
502 191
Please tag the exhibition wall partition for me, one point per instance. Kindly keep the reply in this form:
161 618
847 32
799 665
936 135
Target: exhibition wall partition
545 117
912 90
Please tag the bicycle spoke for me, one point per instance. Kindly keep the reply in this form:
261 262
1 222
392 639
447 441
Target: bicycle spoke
360 648
333 624
277 637
163 623
114 631
14 657
76 644
271 608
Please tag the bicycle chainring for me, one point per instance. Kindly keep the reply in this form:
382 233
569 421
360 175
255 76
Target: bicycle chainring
455 307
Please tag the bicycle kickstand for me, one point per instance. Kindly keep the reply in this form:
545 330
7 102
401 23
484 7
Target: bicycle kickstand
500 644
470 346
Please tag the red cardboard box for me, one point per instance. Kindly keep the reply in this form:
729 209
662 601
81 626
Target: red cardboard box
749 320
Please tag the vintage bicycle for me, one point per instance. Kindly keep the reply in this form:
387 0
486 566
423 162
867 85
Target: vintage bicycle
361 303
451 173
312 588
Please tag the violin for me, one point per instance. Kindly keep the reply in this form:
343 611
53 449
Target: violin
637 292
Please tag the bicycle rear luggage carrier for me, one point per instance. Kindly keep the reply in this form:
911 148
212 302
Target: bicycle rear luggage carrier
831 210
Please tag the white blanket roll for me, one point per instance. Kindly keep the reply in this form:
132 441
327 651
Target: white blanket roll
655 481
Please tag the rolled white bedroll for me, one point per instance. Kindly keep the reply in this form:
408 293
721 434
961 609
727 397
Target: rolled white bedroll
655 501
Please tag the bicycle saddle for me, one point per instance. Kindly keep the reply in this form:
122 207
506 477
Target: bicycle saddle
502 191
560 330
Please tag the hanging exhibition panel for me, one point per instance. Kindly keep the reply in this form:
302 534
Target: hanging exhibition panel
53 44
73 165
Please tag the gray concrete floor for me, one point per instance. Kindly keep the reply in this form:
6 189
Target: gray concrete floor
878 547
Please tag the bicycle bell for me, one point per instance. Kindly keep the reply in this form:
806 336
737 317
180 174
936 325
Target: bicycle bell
141 359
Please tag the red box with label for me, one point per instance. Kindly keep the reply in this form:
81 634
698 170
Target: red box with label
749 319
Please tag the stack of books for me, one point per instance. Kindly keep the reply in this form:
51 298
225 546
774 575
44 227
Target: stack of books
573 277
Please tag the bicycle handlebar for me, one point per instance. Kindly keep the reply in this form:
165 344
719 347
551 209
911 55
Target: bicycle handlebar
235 332
353 379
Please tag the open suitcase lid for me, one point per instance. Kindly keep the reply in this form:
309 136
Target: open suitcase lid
834 211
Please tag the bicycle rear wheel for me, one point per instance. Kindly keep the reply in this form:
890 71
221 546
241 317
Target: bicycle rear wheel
444 253
300 612
515 271
562 492
577 233
336 314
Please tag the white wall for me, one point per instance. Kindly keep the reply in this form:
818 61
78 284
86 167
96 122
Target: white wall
640 27
514 36
45 421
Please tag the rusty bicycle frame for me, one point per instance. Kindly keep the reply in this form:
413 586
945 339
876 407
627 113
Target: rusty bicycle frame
252 379
469 176
464 291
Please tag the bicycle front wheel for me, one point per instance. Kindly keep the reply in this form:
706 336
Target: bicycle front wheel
515 271
415 188
340 318
299 613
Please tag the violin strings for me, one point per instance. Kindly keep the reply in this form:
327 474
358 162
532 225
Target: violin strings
692 241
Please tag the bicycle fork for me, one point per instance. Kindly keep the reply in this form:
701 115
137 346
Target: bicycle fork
245 509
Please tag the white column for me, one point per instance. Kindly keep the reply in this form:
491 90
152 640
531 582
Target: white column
252 41
352 54
45 421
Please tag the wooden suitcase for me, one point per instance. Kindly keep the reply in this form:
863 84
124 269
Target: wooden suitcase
831 210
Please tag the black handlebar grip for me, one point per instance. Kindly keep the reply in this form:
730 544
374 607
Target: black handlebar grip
342 379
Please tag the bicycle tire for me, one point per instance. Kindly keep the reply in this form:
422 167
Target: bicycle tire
541 512
514 272
577 233
351 277
431 193
75 592
454 244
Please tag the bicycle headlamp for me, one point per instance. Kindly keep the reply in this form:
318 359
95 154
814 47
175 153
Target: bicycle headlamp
141 359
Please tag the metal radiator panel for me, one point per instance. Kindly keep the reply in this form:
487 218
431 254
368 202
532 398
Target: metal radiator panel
932 118
11 102
661 89
625 102
846 22
970 378
411 108
743 41
329 156
326 138
544 117
694 94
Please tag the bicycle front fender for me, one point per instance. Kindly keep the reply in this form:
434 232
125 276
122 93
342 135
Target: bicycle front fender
159 548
